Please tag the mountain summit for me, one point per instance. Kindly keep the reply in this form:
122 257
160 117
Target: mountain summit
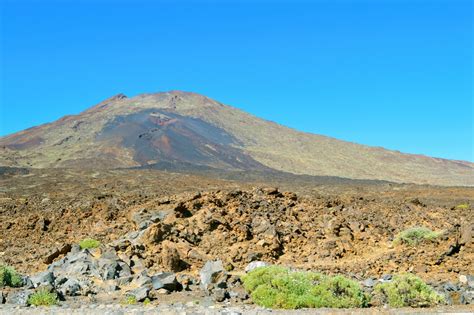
183 128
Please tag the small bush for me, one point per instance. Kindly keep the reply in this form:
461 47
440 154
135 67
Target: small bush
130 300
89 243
415 235
147 302
408 290
462 206
9 277
262 275
277 287
43 298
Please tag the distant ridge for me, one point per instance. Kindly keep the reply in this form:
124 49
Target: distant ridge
184 128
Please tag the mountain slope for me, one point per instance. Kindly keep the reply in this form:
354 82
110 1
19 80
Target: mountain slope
180 127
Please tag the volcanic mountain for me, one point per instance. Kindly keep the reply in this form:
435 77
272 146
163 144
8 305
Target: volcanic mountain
192 131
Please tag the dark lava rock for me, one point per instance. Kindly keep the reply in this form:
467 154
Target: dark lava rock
211 273
219 295
19 297
42 278
71 287
140 293
369 283
165 280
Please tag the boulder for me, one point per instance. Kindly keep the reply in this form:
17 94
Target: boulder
55 253
42 278
142 280
140 293
124 270
449 287
255 264
123 281
467 297
211 274
19 297
108 269
186 281
470 282
71 287
165 280
219 295
137 265
2 297
239 294
170 257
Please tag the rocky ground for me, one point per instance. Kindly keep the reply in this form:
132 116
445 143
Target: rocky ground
183 241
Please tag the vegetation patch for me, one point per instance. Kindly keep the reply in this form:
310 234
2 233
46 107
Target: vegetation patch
407 290
89 243
130 300
9 277
462 206
278 287
43 298
415 235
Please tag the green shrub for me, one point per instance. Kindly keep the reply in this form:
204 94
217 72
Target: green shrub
262 275
43 298
130 300
462 206
9 277
278 287
407 290
89 243
415 235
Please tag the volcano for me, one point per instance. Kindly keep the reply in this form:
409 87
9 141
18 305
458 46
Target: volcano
188 130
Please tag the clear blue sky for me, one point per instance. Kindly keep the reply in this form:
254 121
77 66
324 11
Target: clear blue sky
391 73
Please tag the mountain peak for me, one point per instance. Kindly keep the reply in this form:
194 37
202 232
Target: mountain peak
186 128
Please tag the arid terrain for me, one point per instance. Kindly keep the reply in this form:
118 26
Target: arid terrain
173 199
333 227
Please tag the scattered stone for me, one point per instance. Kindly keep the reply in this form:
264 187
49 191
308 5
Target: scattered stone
19 297
162 291
165 280
467 297
123 269
170 257
463 279
369 283
137 265
448 286
123 281
211 273
140 293
42 278
108 269
255 264
55 253
470 282
186 281
71 287
142 280
219 294
239 294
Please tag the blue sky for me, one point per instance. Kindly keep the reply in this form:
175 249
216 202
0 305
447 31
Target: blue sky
390 73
